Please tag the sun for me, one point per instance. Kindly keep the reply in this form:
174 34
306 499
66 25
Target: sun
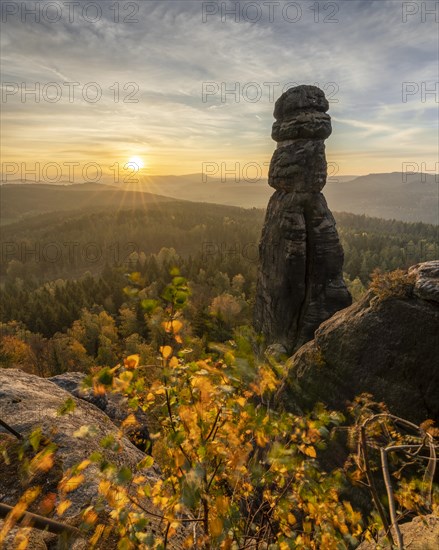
135 163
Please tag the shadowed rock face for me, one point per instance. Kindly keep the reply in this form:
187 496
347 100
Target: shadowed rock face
300 281
387 347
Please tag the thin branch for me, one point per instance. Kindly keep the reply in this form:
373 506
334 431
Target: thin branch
213 425
430 470
167 534
11 430
171 418
389 489
371 481
40 522
213 475
158 516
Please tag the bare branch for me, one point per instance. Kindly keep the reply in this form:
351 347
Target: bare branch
11 430
39 522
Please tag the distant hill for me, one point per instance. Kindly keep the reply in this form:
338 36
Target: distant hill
388 196
199 188
385 196
67 243
23 200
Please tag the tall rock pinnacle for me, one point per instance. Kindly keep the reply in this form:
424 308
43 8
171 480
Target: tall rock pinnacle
300 280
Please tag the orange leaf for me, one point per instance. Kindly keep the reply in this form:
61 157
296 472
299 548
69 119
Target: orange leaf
166 351
173 326
310 451
73 483
132 361
129 421
63 506
216 527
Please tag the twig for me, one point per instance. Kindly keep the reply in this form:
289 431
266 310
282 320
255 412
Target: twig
427 441
372 485
39 522
13 432
389 489
214 425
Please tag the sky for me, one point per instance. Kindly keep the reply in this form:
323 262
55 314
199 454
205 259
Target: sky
181 87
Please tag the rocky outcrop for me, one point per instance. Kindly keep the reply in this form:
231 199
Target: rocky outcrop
422 533
114 405
28 402
426 280
386 345
300 281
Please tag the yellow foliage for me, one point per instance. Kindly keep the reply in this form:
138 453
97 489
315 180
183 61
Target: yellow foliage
291 519
83 465
63 506
22 539
166 351
71 484
396 284
267 381
130 420
308 450
179 458
90 516
99 531
216 527
173 326
222 504
234 468
132 361
42 462
99 389
261 438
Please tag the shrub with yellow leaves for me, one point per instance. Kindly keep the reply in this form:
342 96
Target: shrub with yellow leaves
235 472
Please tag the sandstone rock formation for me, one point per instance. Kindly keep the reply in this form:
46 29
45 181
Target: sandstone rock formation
114 405
426 280
384 345
300 282
28 402
418 534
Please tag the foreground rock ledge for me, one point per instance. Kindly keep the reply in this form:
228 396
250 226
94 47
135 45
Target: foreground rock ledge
28 402
418 534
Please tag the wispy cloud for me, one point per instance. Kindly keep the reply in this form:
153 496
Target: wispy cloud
360 55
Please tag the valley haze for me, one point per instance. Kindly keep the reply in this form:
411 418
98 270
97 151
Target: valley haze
396 195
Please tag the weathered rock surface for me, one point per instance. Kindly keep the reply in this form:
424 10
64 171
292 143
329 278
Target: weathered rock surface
387 347
300 281
419 534
26 402
427 280
114 405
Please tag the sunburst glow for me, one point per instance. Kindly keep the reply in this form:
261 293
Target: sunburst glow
135 163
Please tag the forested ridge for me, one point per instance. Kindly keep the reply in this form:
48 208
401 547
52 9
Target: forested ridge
59 245
65 279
